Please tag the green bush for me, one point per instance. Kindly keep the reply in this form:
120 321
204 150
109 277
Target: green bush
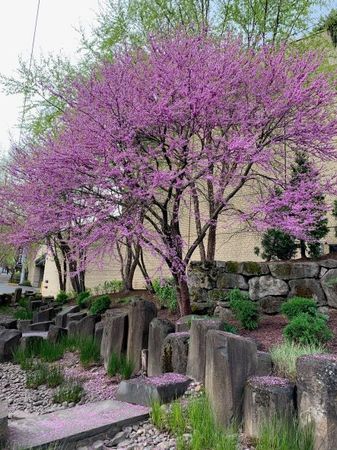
82 299
120 365
245 311
62 297
308 330
26 283
70 392
298 305
100 305
23 314
230 328
284 357
277 245
166 293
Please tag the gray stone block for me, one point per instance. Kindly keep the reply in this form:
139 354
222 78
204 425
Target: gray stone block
3 424
264 364
265 286
329 285
43 315
40 326
309 288
230 360
231 280
271 305
30 339
290 270
183 324
174 353
24 325
99 332
316 397
141 313
115 332
143 391
8 322
17 295
82 328
61 318
35 304
266 398
75 317
9 342
197 346
159 329
55 333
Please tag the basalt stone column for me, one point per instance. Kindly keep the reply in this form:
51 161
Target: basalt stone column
174 353
115 332
266 398
316 397
230 361
159 329
197 349
141 313
3 424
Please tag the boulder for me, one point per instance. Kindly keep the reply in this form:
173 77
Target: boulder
40 326
24 325
328 263
271 305
83 328
223 312
174 353
292 270
115 332
329 285
201 275
8 322
159 329
35 304
141 313
32 339
99 332
253 269
308 287
203 308
144 391
75 317
231 280
3 424
17 295
43 315
55 333
266 398
230 360
316 397
5 299
61 318
197 347
184 323
266 286
9 342
264 364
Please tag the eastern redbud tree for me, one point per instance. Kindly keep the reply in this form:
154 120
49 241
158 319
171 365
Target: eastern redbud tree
190 120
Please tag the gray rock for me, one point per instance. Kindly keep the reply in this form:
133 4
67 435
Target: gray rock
75 317
201 275
307 287
35 304
40 326
174 353
292 270
184 323
253 269
115 331
328 263
29 340
44 315
316 397
9 342
56 333
24 325
17 295
159 329
230 360
143 391
3 424
223 313
61 318
266 286
271 305
266 398
264 364
141 313
231 280
197 348
99 332
83 328
329 285
8 322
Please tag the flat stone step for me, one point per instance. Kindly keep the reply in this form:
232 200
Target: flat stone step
74 424
41 334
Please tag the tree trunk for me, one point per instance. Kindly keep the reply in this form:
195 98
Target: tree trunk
303 248
183 296
211 242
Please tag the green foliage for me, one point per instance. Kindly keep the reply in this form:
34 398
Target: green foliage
329 24
198 421
245 311
232 266
82 299
70 392
100 305
23 314
120 365
230 328
297 305
26 283
278 245
37 375
54 377
282 434
89 351
284 357
23 358
308 330
62 297
166 293
109 287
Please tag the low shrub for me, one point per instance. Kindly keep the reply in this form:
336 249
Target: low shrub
83 299
245 311
308 330
70 392
100 305
298 305
120 365
109 287
54 377
284 357
62 297
166 293
282 434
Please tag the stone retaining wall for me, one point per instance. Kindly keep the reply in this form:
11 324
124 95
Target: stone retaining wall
267 283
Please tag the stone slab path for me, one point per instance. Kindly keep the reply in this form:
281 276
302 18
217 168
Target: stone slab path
70 425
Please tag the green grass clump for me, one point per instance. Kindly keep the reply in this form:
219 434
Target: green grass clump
229 328
280 434
62 297
245 311
196 419
284 357
100 305
23 358
89 351
120 365
306 329
23 314
298 305
70 392
37 375
83 299
166 293
54 377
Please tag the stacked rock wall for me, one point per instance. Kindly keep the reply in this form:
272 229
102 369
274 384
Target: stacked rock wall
269 284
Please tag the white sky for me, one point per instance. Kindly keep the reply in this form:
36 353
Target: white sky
55 32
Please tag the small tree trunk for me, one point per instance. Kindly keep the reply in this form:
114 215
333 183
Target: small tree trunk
303 248
183 296
211 242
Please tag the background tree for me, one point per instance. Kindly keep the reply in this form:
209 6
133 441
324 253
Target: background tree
277 245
